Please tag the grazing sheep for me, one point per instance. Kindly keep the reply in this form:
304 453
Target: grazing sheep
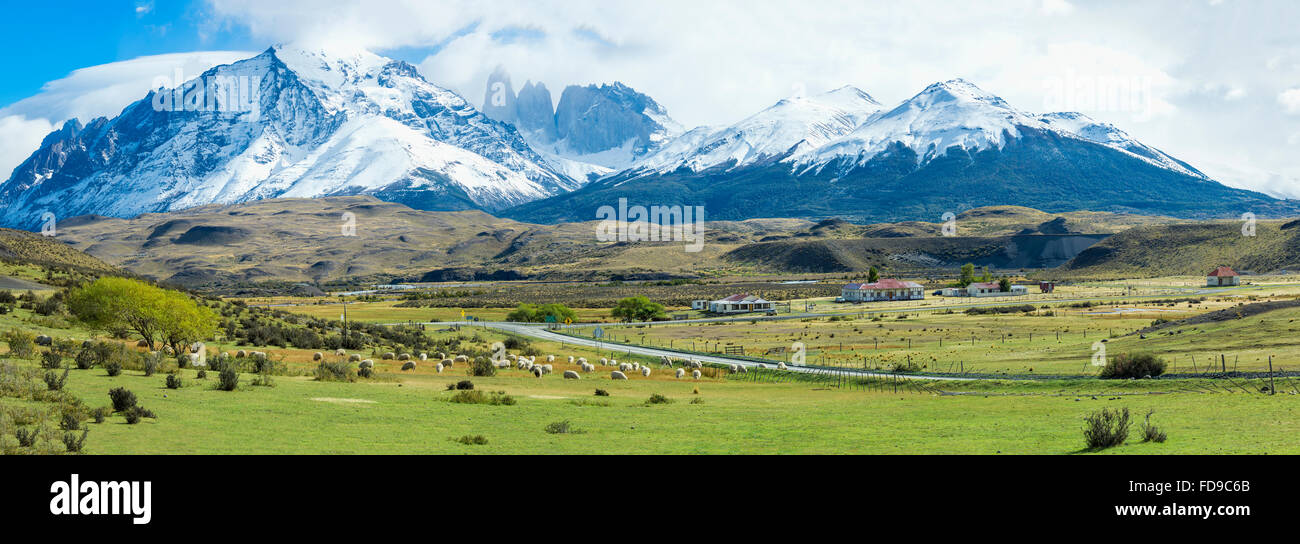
438 367
404 357
503 364
340 352
733 369
257 355
424 356
317 356
616 375
645 371
538 372
461 359
367 364
225 356
582 360
780 366
603 361
409 365
550 358
636 367
695 374
571 359
43 340
695 363
389 356
681 373
624 367
440 355
571 375
743 369
241 354
548 369
447 363
354 358
613 362
512 357
586 367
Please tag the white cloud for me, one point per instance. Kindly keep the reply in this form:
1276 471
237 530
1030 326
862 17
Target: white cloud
1057 7
97 91
1290 100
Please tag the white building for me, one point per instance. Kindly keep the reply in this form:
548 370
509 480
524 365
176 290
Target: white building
882 290
994 289
738 304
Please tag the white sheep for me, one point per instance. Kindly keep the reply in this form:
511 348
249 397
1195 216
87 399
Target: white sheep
681 373
424 356
548 369
537 371
781 366
734 368
238 354
317 356
743 369
438 368
604 361
461 359
447 363
582 360
645 371
550 358
354 358
340 352
409 365
571 375
616 375
695 374
389 356
571 359
440 355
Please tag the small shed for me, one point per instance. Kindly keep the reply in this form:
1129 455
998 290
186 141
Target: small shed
1222 277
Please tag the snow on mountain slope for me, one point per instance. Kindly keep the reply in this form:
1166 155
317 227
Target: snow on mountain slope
1108 135
951 113
806 122
315 123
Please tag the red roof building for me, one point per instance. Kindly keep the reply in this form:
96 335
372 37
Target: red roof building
1222 277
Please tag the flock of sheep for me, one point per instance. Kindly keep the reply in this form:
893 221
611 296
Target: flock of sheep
527 363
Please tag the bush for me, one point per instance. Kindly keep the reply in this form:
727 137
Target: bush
482 368
27 438
123 399
151 363
136 413
22 344
70 421
85 359
228 380
100 414
1152 433
473 440
173 381
1106 429
202 375
1124 365
477 397
656 398
333 372
561 427
602 393
366 372
113 368
54 382
74 444
51 360
464 385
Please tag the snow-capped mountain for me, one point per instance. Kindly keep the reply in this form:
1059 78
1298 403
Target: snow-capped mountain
951 147
289 123
791 126
592 131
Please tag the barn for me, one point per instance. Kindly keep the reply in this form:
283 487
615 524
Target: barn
1222 277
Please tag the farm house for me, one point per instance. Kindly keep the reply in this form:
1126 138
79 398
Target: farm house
1223 277
992 289
882 290
739 304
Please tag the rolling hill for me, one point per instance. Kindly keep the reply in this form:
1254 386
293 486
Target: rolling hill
1189 249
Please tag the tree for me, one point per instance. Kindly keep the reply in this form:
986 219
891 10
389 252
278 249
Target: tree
637 308
152 312
873 275
1004 285
532 313
967 274
987 276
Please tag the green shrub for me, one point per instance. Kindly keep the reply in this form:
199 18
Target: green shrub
1106 429
27 437
366 372
333 372
123 399
173 381
51 360
228 380
70 421
151 363
482 367
602 393
113 368
561 427
85 359
464 385
54 382
1141 365
100 414
202 375
73 443
656 398
22 344
473 440
470 396
1152 433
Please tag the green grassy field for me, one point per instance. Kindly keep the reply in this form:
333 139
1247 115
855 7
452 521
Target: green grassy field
410 415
